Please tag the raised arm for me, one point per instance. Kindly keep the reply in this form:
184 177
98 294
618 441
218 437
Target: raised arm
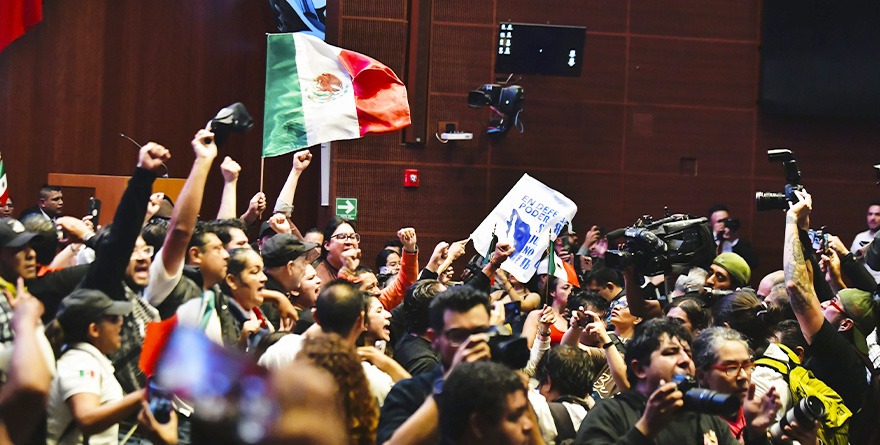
113 254
230 170
186 211
798 276
29 376
393 294
301 161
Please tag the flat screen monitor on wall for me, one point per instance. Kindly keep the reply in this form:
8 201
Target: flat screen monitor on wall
821 58
550 50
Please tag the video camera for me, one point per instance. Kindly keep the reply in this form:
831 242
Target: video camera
506 103
779 201
675 243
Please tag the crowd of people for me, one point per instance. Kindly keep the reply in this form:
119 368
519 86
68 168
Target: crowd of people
316 347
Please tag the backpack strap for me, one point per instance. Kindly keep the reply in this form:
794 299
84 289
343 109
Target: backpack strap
774 364
562 420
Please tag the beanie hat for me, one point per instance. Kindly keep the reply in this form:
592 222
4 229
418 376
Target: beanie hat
736 266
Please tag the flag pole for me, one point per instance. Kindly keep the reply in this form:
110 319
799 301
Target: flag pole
262 168
550 264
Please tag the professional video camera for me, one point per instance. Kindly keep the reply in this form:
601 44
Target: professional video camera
779 201
705 400
505 102
673 244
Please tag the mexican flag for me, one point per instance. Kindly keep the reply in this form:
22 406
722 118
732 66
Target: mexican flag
318 93
4 192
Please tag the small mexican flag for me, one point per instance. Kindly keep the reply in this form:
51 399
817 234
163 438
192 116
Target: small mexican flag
318 93
4 192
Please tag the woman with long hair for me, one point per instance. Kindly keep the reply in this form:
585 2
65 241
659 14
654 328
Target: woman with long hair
559 291
330 352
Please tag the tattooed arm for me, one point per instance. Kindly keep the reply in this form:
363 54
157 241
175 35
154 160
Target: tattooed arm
798 276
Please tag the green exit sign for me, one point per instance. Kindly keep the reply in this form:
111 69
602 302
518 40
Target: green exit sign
347 208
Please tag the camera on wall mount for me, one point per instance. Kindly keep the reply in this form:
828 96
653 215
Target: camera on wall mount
506 103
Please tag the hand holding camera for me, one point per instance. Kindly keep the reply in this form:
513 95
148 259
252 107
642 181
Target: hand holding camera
662 405
203 145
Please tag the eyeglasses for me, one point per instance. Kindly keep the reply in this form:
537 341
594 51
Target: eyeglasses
457 336
347 236
144 251
733 370
835 303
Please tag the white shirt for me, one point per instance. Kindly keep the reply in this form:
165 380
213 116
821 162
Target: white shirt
161 282
190 314
282 353
82 369
545 418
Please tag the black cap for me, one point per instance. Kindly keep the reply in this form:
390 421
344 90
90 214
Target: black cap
84 306
13 234
266 229
282 248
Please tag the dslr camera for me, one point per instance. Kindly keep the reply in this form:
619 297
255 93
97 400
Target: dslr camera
807 411
705 400
509 350
675 243
779 201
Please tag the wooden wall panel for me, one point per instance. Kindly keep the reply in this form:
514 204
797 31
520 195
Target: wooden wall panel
719 140
689 72
464 11
596 15
717 19
461 58
574 137
382 9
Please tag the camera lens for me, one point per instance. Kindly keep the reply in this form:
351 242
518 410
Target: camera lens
770 201
704 400
805 412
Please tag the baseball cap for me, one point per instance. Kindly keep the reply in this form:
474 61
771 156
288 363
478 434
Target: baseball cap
284 247
266 229
859 307
13 233
84 306
735 265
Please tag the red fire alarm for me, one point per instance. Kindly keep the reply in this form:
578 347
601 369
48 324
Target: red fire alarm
410 178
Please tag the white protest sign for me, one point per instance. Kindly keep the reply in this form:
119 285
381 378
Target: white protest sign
528 217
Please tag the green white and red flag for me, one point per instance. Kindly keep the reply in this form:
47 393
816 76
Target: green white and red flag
4 189
317 93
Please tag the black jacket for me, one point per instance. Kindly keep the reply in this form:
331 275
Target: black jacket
612 421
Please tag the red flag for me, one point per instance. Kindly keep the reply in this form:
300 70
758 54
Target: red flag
17 17
155 339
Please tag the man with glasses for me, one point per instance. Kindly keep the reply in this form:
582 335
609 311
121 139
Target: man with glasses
458 320
835 329
651 412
